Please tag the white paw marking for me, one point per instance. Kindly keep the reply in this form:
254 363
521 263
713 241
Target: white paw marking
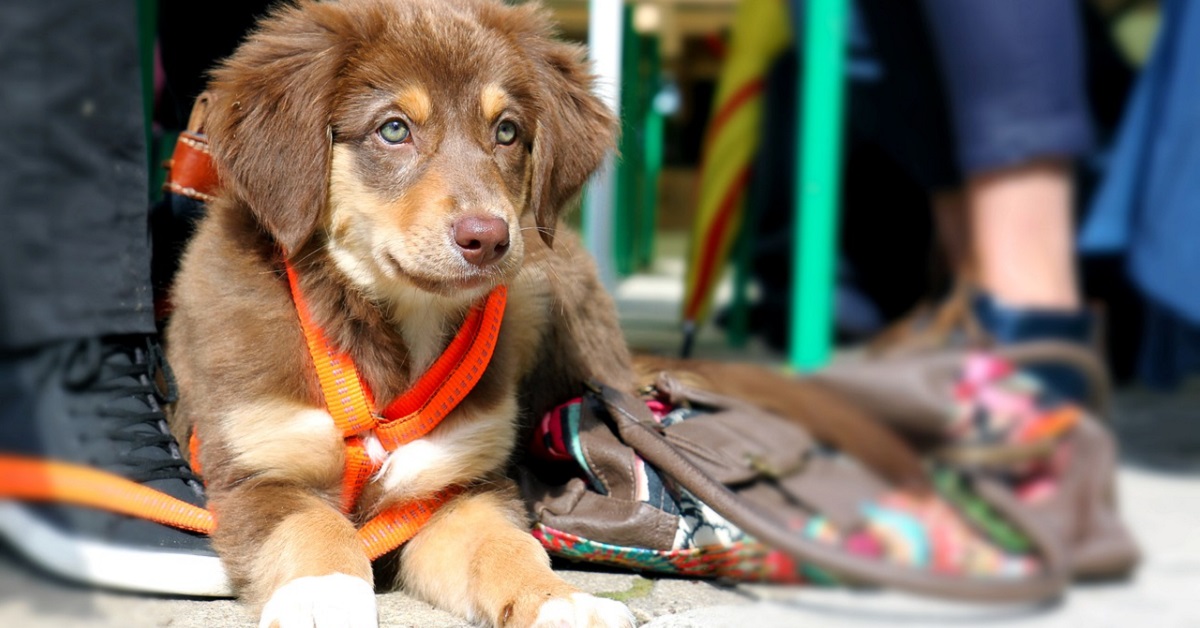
582 610
333 601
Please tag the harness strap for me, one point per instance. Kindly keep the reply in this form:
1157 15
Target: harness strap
358 469
345 397
411 416
397 524
416 412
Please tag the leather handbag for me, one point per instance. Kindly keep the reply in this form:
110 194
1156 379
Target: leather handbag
687 482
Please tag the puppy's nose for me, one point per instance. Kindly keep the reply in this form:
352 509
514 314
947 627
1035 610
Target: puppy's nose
482 240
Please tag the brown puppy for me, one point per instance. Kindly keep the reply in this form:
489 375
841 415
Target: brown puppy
406 156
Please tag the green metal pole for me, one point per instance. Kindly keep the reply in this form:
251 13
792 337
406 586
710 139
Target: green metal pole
817 183
652 157
630 165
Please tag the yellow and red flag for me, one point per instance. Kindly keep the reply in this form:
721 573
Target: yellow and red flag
761 32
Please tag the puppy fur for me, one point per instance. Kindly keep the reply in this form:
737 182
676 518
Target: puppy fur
369 226
369 223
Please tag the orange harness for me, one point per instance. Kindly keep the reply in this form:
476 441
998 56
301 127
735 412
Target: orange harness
411 416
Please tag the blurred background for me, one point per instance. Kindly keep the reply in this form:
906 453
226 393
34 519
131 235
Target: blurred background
696 222
672 56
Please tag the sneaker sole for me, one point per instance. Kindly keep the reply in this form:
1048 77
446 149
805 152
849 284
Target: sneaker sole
111 566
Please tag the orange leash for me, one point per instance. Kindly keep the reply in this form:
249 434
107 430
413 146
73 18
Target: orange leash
34 479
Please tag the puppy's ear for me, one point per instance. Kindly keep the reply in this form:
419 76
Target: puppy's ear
270 128
575 128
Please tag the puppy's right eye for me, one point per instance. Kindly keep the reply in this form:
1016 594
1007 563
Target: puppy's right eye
394 132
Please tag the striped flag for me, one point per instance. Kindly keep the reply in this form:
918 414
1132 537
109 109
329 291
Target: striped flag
761 32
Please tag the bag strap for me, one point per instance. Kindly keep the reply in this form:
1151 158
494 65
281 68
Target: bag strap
638 430
909 392
1078 357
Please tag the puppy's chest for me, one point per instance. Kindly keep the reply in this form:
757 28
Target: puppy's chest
425 336
474 438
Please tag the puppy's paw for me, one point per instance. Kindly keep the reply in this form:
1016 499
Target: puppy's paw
333 601
582 610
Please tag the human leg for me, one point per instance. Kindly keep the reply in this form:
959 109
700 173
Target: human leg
81 373
1015 83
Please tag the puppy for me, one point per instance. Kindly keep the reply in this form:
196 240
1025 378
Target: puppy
405 157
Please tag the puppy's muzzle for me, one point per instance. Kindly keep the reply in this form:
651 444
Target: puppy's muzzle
482 240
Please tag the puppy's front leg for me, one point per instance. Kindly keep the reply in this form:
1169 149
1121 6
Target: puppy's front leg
291 549
476 557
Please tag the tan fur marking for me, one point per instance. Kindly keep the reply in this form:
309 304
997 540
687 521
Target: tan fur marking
284 440
477 558
314 541
414 101
494 101
526 318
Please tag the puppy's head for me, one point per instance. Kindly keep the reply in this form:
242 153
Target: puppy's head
413 137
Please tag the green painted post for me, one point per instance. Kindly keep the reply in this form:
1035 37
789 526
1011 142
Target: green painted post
629 166
652 168
817 182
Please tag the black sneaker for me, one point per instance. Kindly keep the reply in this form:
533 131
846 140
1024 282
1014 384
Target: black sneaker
97 403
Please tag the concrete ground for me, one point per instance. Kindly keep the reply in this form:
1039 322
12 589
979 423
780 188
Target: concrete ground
1160 491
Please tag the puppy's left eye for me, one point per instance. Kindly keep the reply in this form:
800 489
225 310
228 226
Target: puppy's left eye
506 133
394 132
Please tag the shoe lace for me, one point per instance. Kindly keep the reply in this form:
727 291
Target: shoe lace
134 381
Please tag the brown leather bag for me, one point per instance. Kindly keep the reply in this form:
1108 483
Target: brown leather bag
909 394
769 479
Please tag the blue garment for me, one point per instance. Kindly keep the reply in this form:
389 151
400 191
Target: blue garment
1148 207
1015 79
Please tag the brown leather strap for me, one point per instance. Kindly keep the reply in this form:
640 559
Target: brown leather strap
191 170
909 392
1078 357
656 450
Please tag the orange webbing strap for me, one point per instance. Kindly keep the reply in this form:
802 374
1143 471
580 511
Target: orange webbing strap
357 471
194 453
436 393
341 385
396 525
32 479
450 378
